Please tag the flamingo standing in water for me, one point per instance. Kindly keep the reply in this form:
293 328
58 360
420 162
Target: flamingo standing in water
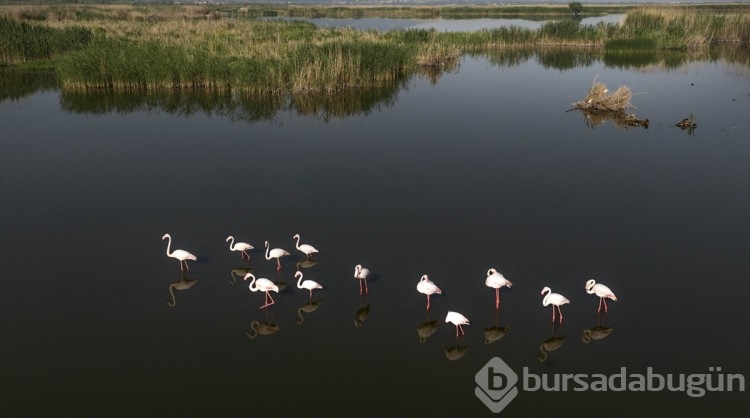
264 285
592 287
276 253
554 299
181 255
429 288
497 280
457 319
361 274
307 284
242 247
307 249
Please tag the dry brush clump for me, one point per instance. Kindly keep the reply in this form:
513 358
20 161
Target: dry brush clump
598 98
599 106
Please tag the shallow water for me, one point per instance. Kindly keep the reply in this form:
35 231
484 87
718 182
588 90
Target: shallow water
481 167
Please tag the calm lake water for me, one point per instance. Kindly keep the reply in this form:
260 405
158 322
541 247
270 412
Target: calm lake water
444 174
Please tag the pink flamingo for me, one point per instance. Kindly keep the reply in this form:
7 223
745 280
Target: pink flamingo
307 284
276 253
556 300
457 319
307 249
242 247
429 288
264 285
497 280
592 287
361 274
181 255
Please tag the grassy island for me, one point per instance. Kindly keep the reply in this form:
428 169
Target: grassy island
237 48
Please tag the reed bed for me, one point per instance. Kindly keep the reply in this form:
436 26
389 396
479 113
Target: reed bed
220 48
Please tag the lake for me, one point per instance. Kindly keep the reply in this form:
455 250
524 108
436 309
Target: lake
446 174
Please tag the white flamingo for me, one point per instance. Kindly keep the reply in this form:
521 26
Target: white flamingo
496 281
307 249
554 299
307 284
181 255
264 285
361 274
276 253
429 288
592 287
242 247
457 319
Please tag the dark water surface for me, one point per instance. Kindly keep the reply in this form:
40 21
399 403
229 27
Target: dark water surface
481 167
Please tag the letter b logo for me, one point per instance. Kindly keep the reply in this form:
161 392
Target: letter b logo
496 383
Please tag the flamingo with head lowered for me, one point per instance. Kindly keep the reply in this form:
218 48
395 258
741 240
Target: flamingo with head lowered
242 247
307 249
427 287
554 299
264 285
276 253
181 255
496 280
592 287
457 319
361 273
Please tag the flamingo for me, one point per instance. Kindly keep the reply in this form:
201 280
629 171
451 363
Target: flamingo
361 274
457 319
592 287
308 249
264 285
181 255
427 287
497 280
242 247
307 284
276 253
556 300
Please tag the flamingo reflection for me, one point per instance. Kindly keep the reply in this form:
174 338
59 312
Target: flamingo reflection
495 333
427 328
307 308
455 352
361 315
306 263
552 343
239 272
183 284
599 332
261 328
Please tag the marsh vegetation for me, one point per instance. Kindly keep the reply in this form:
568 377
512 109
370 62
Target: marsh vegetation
141 48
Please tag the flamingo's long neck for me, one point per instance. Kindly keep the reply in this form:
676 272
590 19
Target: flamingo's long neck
252 285
297 245
169 244
545 301
231 244
268 249
299 281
